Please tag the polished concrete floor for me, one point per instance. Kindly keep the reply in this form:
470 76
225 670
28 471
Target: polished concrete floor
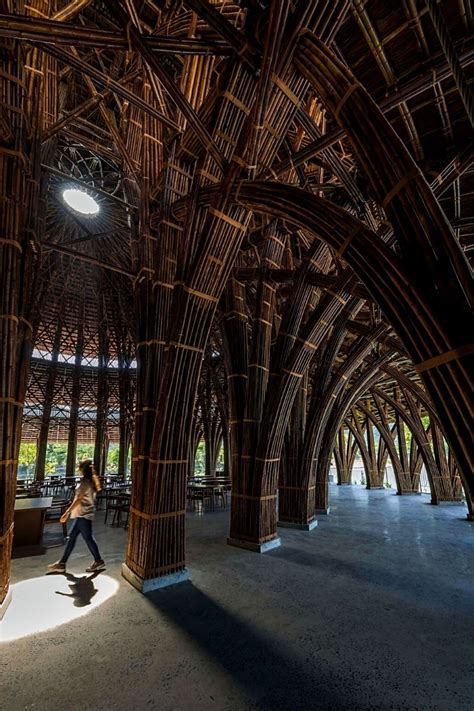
374 609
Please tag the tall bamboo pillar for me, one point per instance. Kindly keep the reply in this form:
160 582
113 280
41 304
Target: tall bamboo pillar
375 472
75 399
377 418
176 291
227 453
211 421
48 405
13 331
126 389
409 479
324 419
101 442
125 417
293 496
344 455
20 135
446 482
247 507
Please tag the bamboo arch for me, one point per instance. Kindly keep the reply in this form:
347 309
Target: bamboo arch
387 278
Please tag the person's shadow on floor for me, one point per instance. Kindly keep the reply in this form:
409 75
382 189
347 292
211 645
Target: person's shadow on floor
82 589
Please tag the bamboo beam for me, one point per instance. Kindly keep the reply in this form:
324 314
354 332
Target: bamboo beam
86 258
449 49
170 86
85 106
210 14
404 90
70 10
29 29
106 82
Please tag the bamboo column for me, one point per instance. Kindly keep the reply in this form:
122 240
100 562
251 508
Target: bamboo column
126 382
376 418
75 399
125 415
446 482
202 252
211 421
20 136
101 444
307 488
377 454
47 405
13 332
374 465
344 455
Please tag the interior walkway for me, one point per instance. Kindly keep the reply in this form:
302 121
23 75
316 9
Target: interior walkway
374 609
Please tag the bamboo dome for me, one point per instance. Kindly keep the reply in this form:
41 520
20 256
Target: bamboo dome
278 259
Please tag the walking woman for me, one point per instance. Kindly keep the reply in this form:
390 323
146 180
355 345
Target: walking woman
82 511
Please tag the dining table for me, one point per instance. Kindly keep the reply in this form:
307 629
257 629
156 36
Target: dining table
29 518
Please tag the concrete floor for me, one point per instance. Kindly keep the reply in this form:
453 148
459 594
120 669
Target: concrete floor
374 609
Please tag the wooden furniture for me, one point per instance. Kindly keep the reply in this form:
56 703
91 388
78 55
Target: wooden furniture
54 513
203 493
29 520
119 503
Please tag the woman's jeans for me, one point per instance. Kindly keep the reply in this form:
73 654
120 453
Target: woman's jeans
84 526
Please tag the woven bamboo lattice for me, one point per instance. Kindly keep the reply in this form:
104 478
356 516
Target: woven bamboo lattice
279 261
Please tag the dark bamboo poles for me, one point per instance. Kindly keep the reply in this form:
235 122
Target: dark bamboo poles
19 208
13 333
440 353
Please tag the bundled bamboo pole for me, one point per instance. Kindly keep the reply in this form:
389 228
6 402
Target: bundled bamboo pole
48 404
20 223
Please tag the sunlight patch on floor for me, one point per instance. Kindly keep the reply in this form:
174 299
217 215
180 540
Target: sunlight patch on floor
40 604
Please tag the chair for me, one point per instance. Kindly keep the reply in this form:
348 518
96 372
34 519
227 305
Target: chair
202 495
100 497
55 511
119 504
220 495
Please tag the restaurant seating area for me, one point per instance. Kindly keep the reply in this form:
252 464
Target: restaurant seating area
57 494
208 493
204 494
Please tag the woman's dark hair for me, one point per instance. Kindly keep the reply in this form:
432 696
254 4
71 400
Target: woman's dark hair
86 469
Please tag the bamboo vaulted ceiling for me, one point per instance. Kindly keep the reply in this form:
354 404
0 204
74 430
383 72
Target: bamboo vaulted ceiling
137 84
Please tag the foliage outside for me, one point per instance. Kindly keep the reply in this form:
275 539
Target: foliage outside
56 455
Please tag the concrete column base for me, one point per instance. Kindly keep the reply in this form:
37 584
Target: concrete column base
255 547
376 488
5 604
322 512
146 586
469 516
299 526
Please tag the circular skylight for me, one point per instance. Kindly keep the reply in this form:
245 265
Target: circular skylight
80 201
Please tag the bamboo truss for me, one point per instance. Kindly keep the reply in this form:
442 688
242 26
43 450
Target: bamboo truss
285 194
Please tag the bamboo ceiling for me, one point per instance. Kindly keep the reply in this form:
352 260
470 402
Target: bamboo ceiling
134 83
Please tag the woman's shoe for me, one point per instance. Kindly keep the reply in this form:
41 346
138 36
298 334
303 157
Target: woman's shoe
96 567
57 567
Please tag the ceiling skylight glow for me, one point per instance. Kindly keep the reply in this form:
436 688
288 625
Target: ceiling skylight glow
80 201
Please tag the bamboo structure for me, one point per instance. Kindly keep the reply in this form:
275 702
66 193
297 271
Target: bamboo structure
278 262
